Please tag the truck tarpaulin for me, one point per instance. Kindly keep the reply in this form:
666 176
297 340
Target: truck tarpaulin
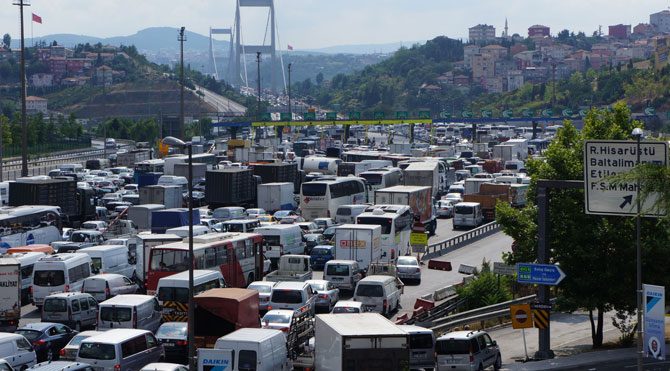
162 220
221 311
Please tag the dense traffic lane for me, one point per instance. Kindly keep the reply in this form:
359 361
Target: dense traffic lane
489 248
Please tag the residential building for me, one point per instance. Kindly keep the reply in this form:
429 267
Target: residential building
643 29
530 58
104 75
57 66
41 80
514 80
493 84
517 48
468 52
661 21
661 45
538 31
503 66
446 78
483 66
535 75
481 33
496 51
619 31
36 105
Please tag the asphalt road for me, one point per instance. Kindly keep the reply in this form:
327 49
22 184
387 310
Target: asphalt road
222 104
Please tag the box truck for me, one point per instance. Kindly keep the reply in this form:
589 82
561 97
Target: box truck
359 242
419 199
276 196
10 294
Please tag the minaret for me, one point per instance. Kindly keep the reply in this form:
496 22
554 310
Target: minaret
506 34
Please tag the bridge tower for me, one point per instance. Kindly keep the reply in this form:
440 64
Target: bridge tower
213 69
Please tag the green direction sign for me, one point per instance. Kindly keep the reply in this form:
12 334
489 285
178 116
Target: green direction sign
547 112
331 115
466 114
266 116
354 115
445 115
526 113
567 112
582 112
284 116
650 111
309 116
401 115
508 113
487 113
378 115
424 114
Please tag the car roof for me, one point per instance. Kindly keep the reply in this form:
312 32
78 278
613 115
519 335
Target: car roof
115 335
290 285
349 303
461 334
39 326
263 283
59 366
317 281
281 311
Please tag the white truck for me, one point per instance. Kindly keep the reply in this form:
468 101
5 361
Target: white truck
276 196
425 173
504 152
363 341
323 165
246 349
472 185
419 199
359 242
10 294
291 268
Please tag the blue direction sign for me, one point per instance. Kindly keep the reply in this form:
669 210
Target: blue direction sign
539 274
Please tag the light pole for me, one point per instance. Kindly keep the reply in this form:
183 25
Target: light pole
637 134
172 141
181 40
290 112
22 71
258 68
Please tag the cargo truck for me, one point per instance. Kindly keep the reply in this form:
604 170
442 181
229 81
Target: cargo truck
162 220
353 168
362 341
141 215
503 152
419 199
129 158
359 242
323 165
10 294
170 196
276 196
221 311
231 187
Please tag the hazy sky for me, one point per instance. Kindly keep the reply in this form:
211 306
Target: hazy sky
318 23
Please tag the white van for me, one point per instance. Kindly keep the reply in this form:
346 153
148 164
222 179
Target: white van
4 193
182 232
59 273
17 351
294 296
228 213
344 274
346 214
172 291
173 180
421 346
241 225
107 285
121 349
73 309
379 294
249 349
109 259
468 214
281 239
77 169
130 311
27 261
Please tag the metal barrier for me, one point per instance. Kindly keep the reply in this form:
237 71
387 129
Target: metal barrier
454 243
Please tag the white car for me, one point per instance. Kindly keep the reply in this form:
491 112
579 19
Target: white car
96 225
162 366
326 293
444 208
253 213
278 319
264 289
348 306
408 268
454 198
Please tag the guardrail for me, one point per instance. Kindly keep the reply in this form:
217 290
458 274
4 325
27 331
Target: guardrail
480 314
454 243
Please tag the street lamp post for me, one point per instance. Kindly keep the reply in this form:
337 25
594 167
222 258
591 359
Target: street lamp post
637 134
172 141
290 112
181 40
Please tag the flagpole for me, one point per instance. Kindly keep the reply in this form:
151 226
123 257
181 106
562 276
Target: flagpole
31 31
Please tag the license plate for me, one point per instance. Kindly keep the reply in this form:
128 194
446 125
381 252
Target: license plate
369 307
168 344
337 278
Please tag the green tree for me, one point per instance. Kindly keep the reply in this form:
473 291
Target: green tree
7 40
595 251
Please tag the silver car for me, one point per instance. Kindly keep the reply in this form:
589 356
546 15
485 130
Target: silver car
326 294
264 289
409 268
467 350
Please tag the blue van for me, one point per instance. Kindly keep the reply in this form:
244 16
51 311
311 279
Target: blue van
320 255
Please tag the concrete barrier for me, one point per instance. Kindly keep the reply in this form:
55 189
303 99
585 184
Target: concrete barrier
444 293
466 269
468 279
425 304
439 265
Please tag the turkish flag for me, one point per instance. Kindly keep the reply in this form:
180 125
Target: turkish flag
37 18
290 47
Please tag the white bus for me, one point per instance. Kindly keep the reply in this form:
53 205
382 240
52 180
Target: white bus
28 225
382 178
321 198
396 222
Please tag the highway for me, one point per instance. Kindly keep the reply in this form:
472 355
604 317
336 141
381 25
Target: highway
222 104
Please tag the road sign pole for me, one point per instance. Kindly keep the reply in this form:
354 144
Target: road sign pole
544 335
638 253
525 349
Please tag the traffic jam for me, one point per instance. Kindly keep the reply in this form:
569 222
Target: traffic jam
297 257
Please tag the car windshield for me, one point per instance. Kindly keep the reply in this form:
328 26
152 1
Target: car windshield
337 270
346 310
277 318
452 346
99 351
172 330
385 223
464 210
421 341
78 339
286 296
282 213
55 305
407 261
369 290
49 278
318 286
115 314
320 251
31 335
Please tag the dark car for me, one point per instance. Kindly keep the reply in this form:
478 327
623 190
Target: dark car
329 233
313 239
320 255
48 338
174 337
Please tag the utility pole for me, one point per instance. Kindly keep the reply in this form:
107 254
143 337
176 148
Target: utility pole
290 112
258 67
24 124
181 40
553 85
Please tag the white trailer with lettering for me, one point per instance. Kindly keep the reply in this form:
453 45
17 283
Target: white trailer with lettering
359 242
